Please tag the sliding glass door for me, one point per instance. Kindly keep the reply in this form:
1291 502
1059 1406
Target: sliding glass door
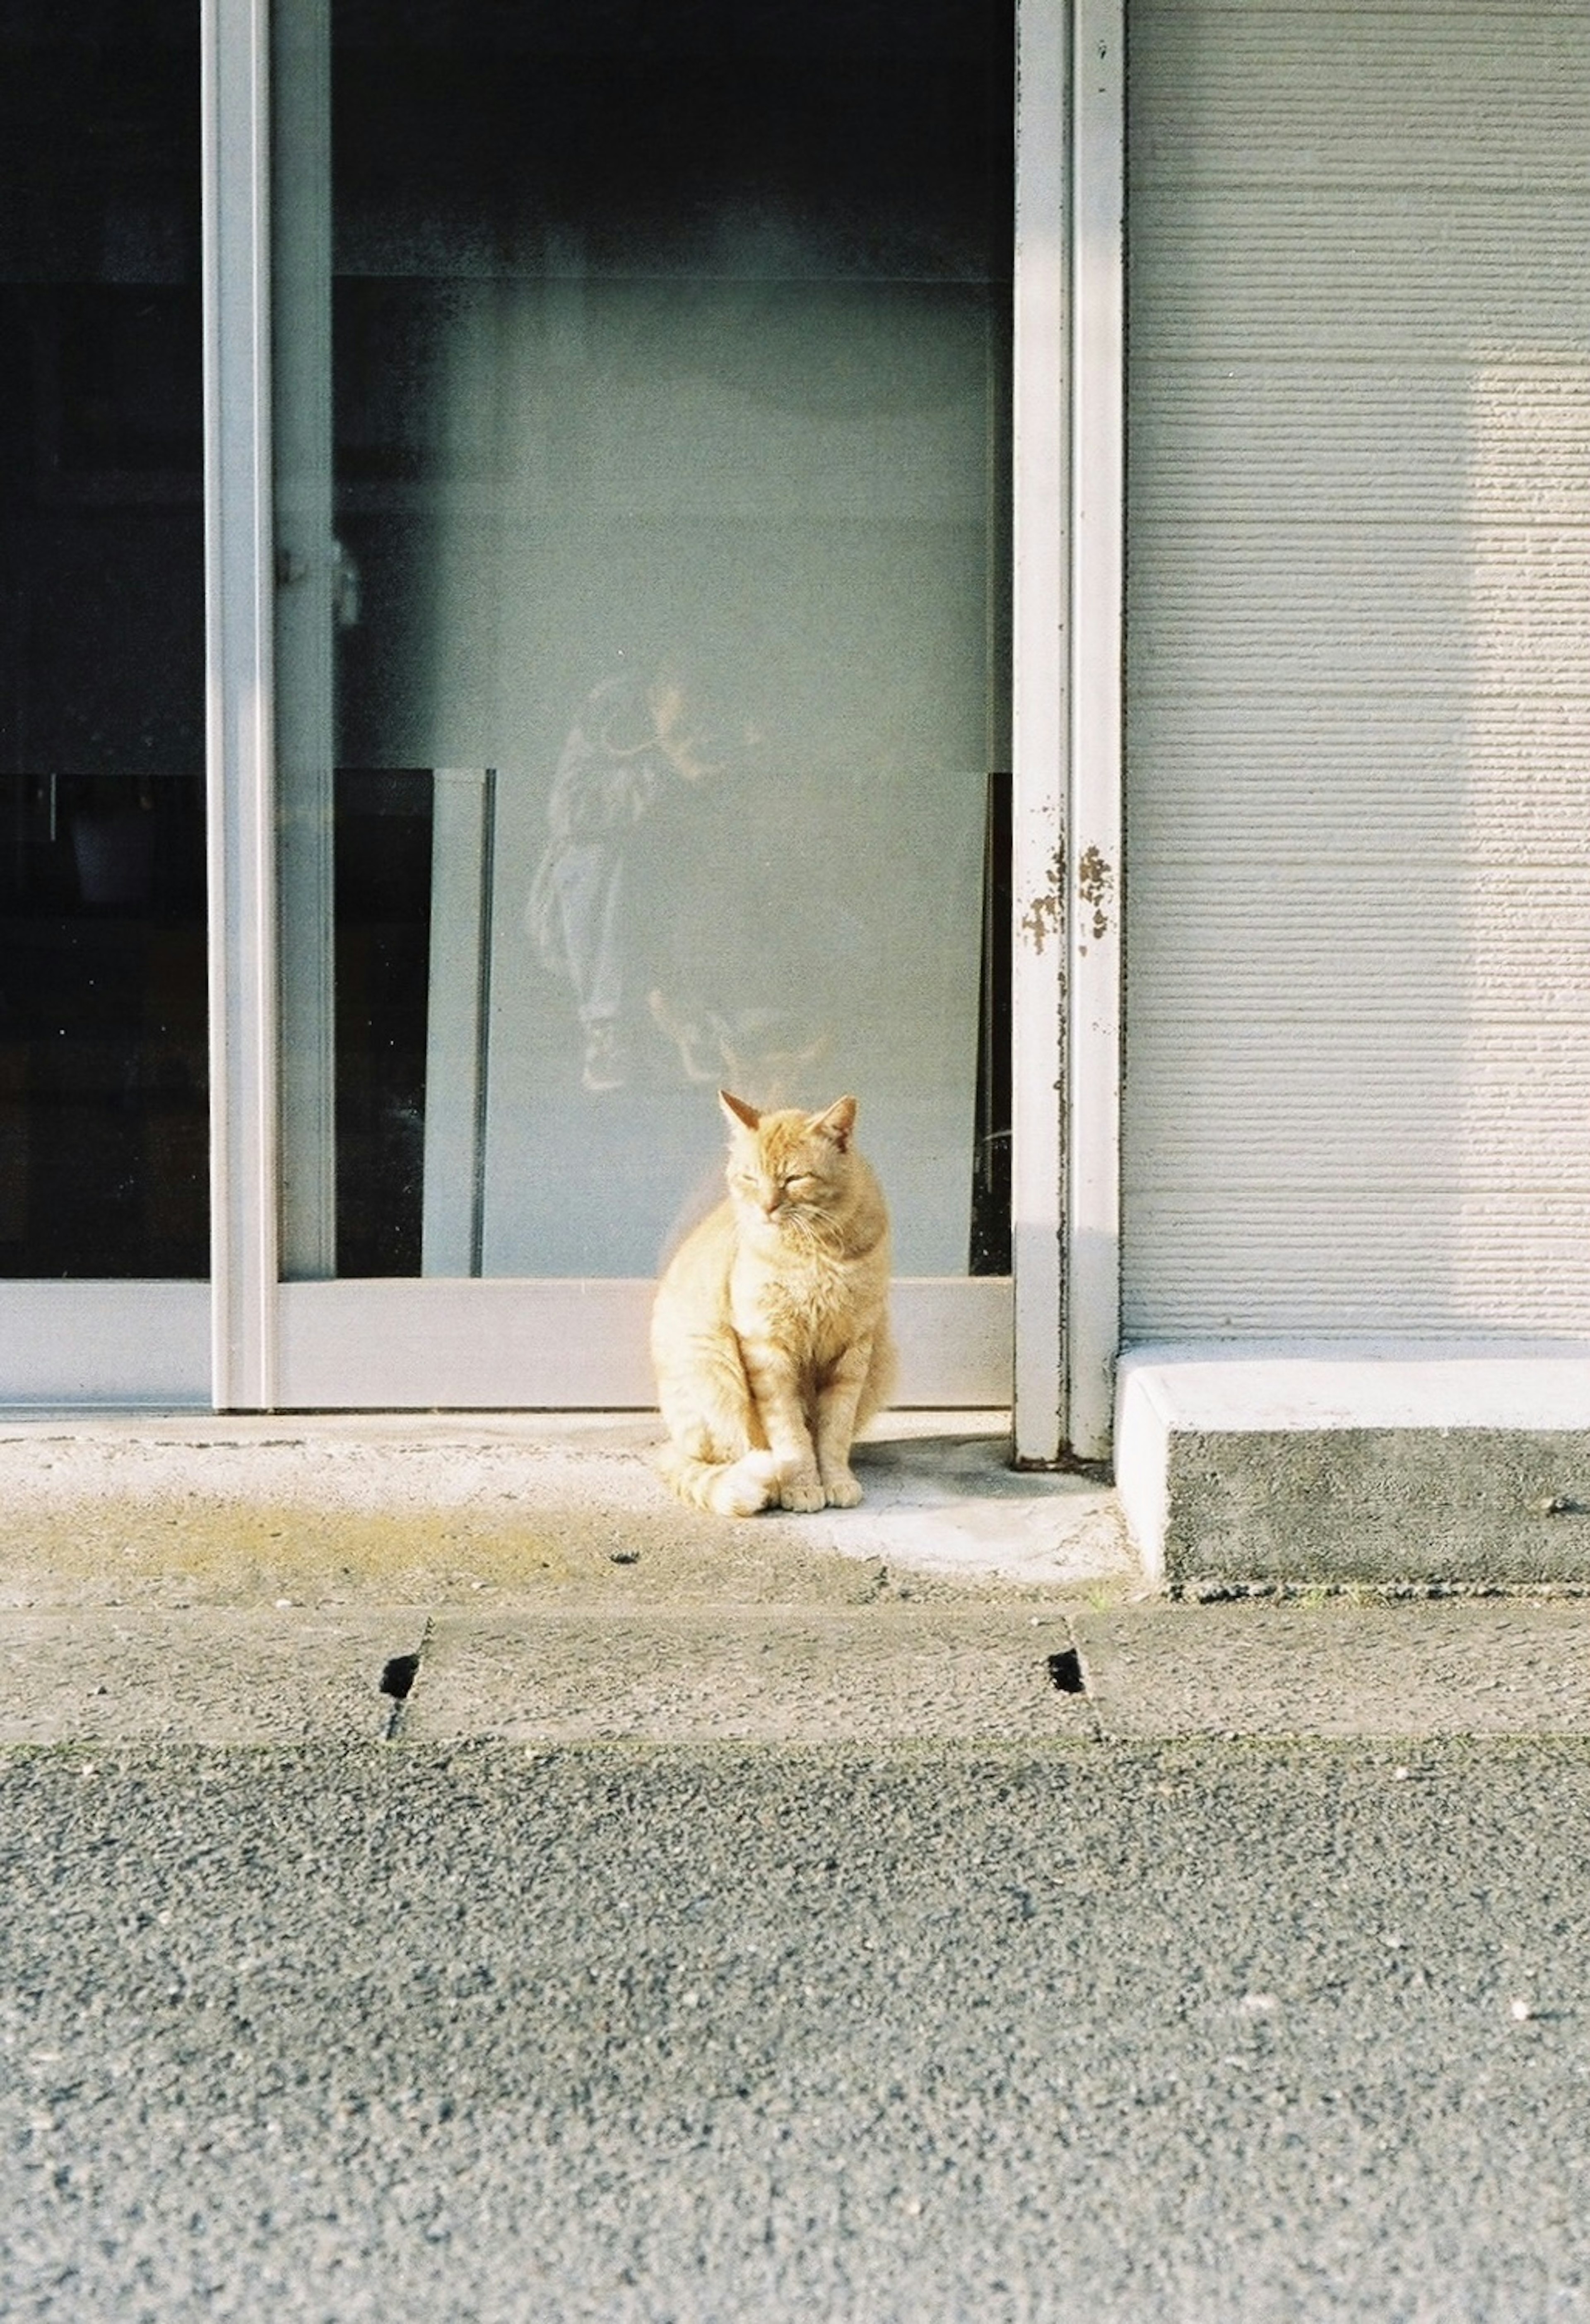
640 383
505 586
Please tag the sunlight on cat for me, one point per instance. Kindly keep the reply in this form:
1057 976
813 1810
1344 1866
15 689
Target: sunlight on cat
770 1334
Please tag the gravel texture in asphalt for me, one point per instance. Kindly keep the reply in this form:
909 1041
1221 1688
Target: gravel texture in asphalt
1191 2030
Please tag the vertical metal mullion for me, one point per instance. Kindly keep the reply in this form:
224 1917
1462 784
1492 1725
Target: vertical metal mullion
458 1021
1095 903
242 958
309 573
1041 671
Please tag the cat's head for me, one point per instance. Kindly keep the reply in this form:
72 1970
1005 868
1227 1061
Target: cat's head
789 1171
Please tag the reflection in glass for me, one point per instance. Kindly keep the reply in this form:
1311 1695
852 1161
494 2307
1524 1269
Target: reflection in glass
103 1066
640 394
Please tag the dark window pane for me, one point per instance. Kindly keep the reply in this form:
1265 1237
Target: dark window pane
103 1063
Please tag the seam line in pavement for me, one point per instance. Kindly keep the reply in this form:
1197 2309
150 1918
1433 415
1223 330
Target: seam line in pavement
397 1718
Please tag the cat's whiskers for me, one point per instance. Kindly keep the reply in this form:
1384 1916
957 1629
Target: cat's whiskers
824 1234
819 1231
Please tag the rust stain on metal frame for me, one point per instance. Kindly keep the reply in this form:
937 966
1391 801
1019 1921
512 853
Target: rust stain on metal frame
1041 920
1095 881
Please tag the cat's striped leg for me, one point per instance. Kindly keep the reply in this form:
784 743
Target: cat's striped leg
838 1401
715 1459
776 1391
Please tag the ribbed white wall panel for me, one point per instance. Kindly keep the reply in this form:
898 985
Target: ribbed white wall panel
1358 671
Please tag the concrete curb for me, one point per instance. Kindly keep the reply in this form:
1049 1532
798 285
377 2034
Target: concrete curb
1071 1674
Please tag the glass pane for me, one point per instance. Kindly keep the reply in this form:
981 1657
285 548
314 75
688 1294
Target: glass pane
103 1066
641 390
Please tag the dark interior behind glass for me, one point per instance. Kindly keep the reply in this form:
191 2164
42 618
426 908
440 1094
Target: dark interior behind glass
103 1064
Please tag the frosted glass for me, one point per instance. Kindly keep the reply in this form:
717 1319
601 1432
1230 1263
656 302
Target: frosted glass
668 451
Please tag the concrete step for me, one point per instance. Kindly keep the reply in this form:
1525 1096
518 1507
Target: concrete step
1372 1462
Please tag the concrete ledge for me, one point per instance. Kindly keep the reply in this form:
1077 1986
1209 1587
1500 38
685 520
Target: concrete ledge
1376 1462
525 1672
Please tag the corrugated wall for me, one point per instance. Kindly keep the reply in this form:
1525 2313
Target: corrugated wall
1358 1089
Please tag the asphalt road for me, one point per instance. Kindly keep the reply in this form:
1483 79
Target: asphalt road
1162 2031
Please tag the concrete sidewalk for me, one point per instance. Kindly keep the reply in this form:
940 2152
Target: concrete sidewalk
422 1507
438 1578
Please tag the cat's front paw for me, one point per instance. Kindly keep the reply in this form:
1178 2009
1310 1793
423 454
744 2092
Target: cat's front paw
804 1493
842 1489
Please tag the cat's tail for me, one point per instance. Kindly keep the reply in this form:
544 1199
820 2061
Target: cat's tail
733 1489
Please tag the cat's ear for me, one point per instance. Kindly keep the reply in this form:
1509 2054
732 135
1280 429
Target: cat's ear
837 1123
736 1110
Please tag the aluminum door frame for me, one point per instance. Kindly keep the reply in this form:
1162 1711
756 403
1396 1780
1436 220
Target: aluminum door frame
1045 1341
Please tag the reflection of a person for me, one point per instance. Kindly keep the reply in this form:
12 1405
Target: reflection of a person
635 743
695 897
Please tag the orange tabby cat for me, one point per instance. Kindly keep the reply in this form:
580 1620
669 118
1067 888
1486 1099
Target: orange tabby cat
771 1332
